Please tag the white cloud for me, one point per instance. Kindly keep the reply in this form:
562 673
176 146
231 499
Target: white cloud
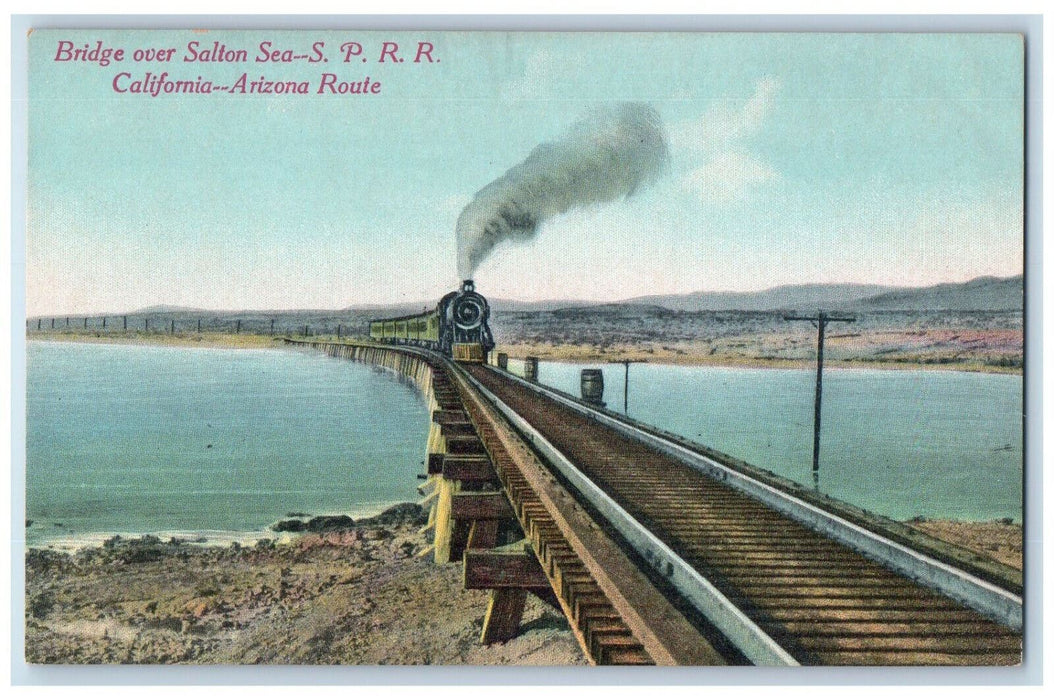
532 84
726 123
721 170
727 177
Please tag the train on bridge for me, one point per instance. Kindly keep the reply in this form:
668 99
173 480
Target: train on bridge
457 327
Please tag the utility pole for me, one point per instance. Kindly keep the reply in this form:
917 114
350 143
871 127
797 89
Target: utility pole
625 386
819 321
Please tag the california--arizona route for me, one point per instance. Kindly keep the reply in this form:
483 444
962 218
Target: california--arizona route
155 85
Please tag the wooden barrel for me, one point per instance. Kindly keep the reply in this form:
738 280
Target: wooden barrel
593 386
530 369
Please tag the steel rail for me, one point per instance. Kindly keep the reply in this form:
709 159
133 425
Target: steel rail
983 596
663 633
629 592
980 595
741 631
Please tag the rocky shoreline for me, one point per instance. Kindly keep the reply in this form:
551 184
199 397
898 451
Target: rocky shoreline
347 594
1001 540
337 592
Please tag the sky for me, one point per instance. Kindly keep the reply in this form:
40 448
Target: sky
891 159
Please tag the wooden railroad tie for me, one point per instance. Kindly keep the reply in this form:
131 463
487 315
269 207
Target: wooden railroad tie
457 430
511 566
468 468
465 445
481 505
442 417
477 517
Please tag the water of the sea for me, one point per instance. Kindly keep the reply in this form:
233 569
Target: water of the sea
896 442
140 439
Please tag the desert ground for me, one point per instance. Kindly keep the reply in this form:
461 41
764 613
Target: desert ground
969 341
997 539
979 341
353 595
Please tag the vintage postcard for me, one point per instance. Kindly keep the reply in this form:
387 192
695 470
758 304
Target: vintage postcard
356 347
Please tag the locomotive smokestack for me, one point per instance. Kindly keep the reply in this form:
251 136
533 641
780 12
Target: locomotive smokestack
609 155
468 286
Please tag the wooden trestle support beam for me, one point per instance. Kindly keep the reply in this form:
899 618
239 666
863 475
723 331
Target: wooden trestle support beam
617 614
517 531
468 511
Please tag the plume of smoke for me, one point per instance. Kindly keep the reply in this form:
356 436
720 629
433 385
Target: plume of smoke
608 155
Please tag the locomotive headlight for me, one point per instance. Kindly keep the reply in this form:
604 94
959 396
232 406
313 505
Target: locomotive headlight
468 313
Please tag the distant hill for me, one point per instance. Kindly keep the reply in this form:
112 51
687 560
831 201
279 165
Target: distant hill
980 294
552 305
403 309
795 296
169 309
382 310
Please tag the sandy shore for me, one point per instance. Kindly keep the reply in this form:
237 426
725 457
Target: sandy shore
199 340
997 539
357 596
757 355
702 357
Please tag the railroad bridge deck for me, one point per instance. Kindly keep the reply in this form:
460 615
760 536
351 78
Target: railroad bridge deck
659 551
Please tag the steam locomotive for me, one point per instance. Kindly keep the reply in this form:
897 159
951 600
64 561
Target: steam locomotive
456 327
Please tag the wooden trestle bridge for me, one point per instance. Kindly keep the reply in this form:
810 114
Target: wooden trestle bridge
661 551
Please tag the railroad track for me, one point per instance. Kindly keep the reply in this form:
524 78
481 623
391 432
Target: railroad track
782 592
658 554
618 615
